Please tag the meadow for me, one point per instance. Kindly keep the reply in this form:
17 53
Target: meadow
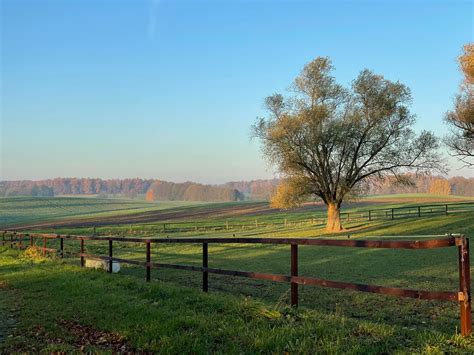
17 211
46 300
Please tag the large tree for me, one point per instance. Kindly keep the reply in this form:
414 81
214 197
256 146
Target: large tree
327 141
461 118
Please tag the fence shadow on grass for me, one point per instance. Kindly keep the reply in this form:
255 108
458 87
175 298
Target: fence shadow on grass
343 262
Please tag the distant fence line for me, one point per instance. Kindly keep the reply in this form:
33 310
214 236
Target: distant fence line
417 211
463 296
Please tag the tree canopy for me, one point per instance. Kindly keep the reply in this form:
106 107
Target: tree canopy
461 118
327 140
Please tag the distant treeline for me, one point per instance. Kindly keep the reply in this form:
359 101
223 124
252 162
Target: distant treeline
231 191
75 186
188 191
152 189
254 189
457 185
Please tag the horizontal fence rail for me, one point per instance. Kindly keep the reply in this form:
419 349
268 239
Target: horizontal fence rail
463 296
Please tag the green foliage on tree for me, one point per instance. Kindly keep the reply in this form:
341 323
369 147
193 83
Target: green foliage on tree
327 140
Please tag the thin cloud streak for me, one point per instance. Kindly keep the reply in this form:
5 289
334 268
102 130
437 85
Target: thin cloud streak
153 19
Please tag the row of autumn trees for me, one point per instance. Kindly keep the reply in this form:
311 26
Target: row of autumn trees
152 189
188 191
75 186
156 190
438 185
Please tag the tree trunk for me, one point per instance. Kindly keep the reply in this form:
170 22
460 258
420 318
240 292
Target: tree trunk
334 218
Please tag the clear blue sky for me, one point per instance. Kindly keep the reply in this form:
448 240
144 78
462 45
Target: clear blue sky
169 89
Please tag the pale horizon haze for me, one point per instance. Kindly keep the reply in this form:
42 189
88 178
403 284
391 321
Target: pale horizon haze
170 89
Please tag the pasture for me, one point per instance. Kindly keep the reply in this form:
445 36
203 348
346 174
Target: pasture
45 299
17 211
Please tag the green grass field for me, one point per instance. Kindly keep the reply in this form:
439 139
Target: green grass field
25 210
43 300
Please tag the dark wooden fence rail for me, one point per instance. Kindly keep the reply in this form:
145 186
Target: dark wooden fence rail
416 211
463 296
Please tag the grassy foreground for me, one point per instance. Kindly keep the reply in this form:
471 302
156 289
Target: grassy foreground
53 305
48 297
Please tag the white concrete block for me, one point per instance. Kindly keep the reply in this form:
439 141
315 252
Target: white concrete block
102 264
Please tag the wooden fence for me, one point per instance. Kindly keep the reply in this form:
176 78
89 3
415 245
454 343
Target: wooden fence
463 296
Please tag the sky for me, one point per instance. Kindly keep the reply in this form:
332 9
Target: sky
169 89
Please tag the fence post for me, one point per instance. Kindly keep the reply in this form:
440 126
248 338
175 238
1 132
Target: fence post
61 246
446 210
148 260
419 211
110 256
464 286
205 264
44 246
20 246
3 239
82 252
294 272
11 239
370 215
31 240
392 213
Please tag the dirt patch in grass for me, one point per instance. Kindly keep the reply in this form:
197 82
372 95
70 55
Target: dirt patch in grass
87 336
